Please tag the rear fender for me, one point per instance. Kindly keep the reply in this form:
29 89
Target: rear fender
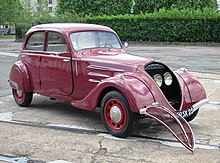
137 94
175 123
19 78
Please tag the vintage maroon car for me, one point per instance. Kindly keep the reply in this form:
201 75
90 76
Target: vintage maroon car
87 65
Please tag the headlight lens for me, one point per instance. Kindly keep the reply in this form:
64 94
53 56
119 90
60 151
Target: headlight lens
168 79
158 79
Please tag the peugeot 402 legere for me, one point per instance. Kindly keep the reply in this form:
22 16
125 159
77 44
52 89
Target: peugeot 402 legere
87 65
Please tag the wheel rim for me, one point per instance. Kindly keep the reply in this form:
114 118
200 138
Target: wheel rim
19 94
115 114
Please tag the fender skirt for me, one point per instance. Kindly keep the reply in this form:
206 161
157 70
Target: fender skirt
175 123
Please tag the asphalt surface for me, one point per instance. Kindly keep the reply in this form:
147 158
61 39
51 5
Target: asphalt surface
194 58
53 130
5 64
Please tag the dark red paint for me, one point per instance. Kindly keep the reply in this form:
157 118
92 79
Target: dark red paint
83 77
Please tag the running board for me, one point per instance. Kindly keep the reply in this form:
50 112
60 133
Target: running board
175 123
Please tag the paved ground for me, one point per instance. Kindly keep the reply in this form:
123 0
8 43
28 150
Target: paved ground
54 130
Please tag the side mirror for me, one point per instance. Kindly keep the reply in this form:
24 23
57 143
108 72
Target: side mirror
126 46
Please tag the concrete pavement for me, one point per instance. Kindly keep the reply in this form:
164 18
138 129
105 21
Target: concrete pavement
54 130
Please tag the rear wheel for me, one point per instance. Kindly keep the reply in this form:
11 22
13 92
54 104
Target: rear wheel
22 98
116 114
191 117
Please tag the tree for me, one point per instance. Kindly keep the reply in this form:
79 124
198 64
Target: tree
10 11
94 7
195 4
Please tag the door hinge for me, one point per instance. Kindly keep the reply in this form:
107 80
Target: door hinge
40 83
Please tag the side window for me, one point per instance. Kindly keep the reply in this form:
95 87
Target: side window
56 42
35 42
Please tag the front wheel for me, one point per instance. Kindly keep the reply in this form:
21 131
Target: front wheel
116 114
22 98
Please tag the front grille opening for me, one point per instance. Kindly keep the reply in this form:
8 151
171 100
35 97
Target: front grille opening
172 92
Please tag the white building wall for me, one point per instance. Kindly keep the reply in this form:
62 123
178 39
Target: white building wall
51 4
218 1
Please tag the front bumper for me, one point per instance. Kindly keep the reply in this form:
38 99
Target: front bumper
188 112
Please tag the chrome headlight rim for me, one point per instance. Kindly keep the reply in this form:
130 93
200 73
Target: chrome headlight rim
158 79
168 78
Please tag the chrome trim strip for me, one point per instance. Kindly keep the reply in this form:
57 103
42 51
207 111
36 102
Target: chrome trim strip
121 76
98 75
76 66
66 60
94 81
14 84
199 104
104 68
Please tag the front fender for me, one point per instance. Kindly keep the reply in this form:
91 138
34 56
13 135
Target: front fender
136 92
19 77
195 89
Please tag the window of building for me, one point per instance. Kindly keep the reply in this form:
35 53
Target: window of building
50 1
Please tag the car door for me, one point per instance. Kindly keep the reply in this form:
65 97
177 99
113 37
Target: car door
31 54
55 66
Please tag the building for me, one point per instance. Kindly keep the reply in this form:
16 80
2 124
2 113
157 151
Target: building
51 4
218 2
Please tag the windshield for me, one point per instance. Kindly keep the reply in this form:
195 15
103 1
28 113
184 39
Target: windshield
94 39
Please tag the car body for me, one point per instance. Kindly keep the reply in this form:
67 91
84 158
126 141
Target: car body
88 66
3 31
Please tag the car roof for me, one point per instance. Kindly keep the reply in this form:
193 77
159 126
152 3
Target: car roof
69 27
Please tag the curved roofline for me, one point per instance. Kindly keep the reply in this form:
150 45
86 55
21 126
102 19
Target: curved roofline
70 27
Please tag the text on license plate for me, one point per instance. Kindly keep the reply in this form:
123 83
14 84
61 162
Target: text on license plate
187 112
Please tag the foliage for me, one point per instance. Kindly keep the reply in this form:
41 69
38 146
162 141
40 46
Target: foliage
150 6
62 18
165 25
95 7
116 7
195 4
21 29
173 22
10 11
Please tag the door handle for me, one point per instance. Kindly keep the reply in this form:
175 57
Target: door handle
66 60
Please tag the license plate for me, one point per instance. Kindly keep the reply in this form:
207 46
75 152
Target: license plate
187 112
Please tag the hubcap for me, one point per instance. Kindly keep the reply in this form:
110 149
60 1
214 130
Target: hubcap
115 114
19 94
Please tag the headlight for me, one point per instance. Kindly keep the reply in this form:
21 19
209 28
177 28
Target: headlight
158 79
168 79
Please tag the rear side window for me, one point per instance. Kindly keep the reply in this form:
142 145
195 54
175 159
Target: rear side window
35 42
56 42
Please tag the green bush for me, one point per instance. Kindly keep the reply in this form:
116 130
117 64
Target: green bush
116 7
165 25
20 30
94 7
149 6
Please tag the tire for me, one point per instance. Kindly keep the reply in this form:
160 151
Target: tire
116 114
22 98
191 117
